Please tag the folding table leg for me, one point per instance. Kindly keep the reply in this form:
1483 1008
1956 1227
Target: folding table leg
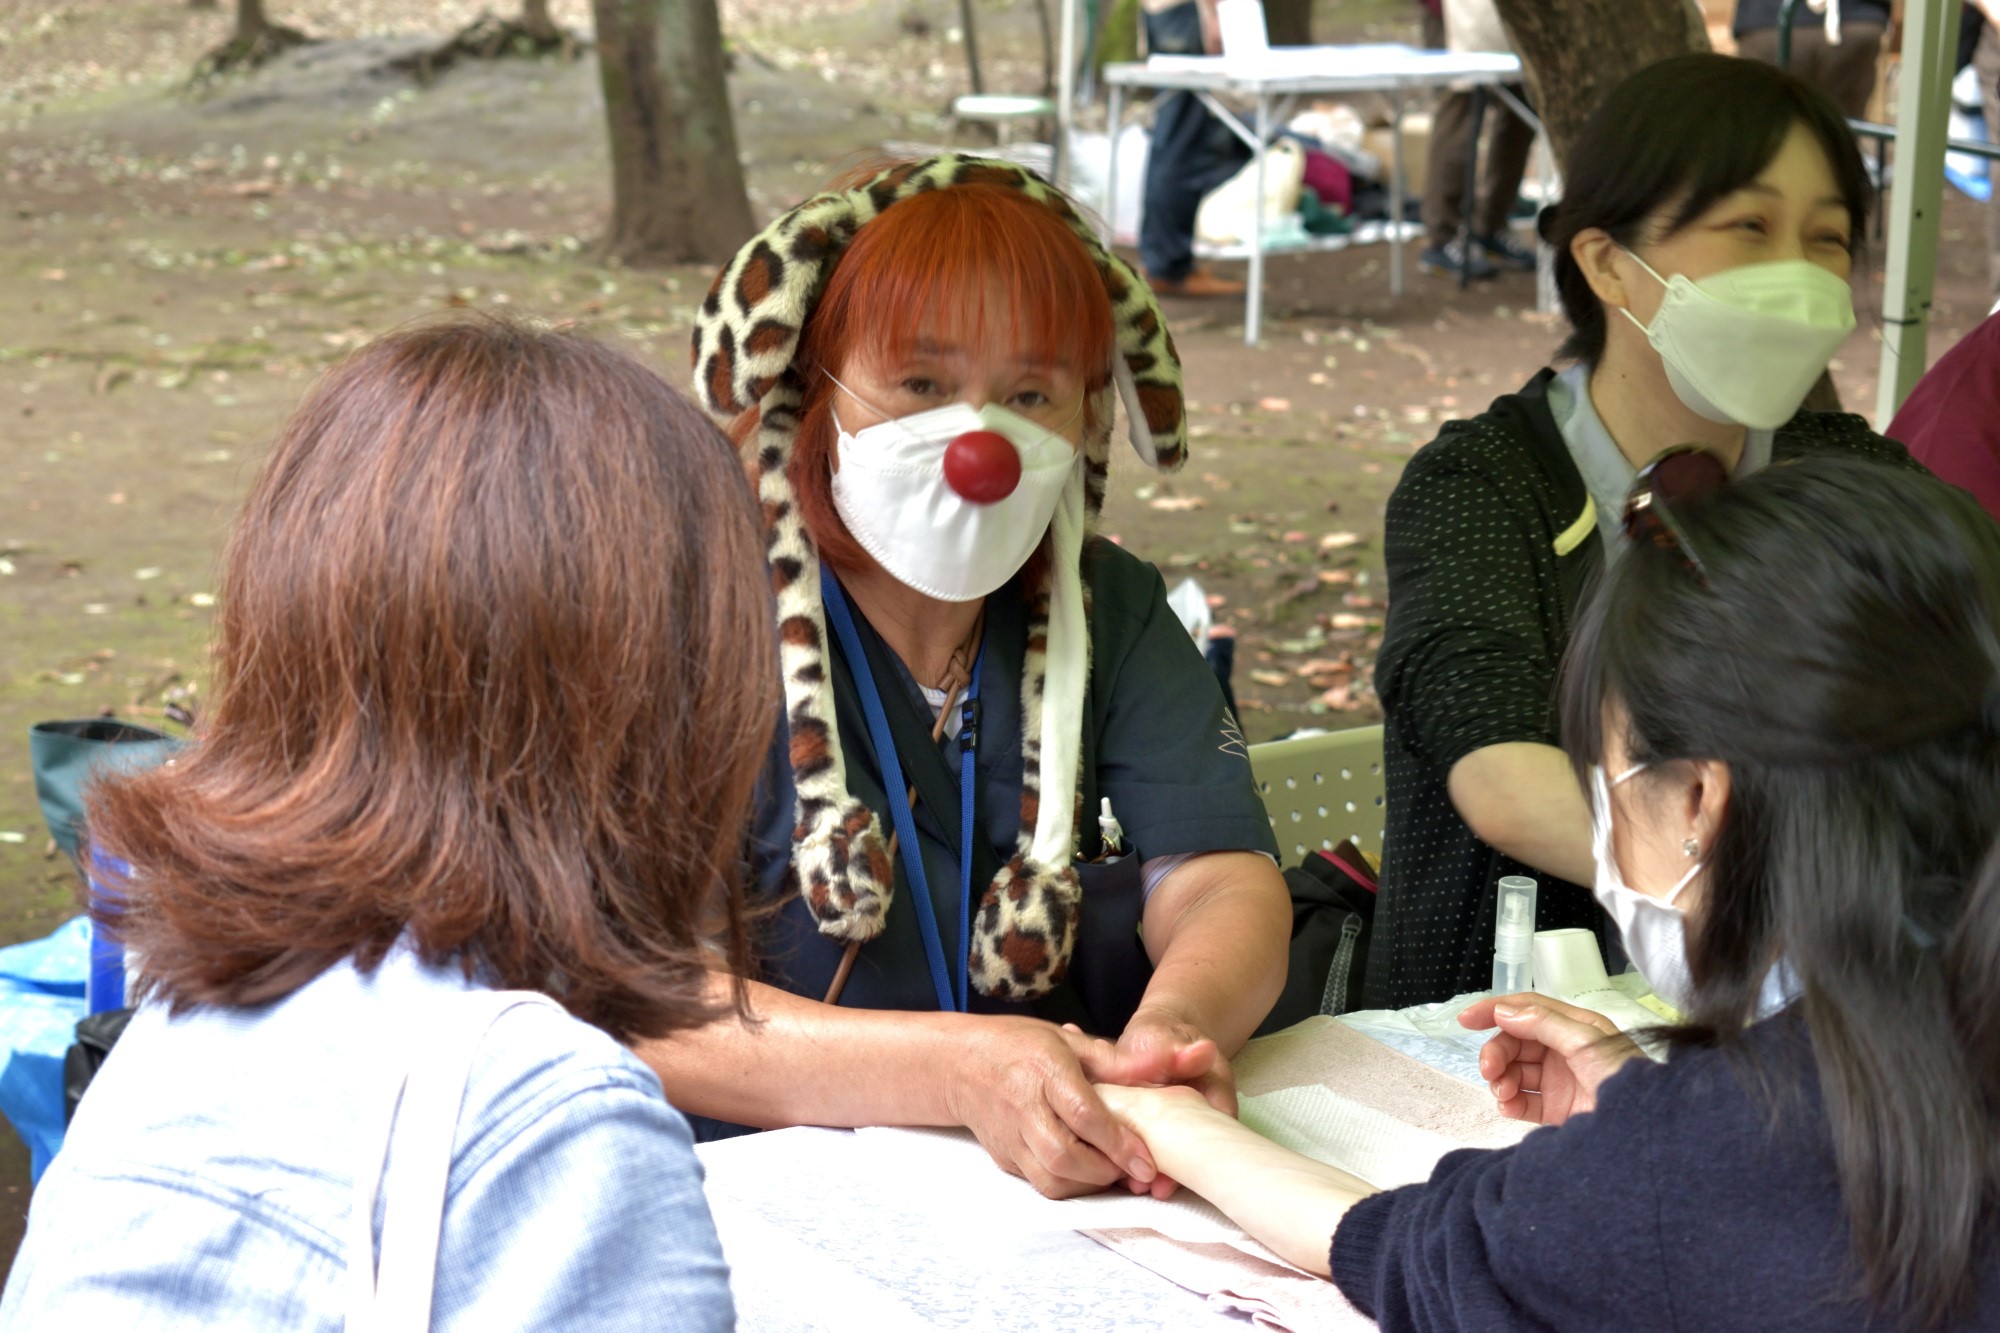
1253 298
1114 107
1396 191
1468 204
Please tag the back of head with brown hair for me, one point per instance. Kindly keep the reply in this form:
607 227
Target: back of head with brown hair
494 668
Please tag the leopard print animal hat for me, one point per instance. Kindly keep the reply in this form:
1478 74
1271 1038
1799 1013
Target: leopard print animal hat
746 338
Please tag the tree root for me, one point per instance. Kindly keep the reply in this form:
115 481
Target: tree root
246 51
490 38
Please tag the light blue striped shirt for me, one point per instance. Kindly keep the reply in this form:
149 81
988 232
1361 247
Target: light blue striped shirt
209 1172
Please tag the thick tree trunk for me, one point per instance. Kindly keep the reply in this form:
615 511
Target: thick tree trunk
1575 51
251 21
1289 22
677 193
538 23
255 41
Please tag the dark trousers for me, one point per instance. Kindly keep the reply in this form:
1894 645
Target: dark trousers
1846 73
1501 166
1192 152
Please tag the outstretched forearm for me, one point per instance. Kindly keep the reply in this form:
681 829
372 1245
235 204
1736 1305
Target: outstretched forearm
1290 1203
1019 1084
806 1063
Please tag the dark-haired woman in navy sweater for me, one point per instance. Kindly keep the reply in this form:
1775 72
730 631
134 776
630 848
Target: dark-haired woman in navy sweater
1786 703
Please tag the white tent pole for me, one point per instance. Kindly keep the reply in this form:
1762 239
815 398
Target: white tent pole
1065 92
1923 106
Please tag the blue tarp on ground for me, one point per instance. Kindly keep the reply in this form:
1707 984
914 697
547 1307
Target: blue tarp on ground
41 999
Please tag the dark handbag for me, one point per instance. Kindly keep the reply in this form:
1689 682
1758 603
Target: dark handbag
67 755
1333 914
95 1036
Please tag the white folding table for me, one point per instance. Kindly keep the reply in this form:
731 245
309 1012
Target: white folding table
1273 81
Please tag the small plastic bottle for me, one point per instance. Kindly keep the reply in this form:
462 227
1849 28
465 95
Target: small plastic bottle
1514 936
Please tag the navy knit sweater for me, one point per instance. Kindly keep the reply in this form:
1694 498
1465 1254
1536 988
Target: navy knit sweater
1676 1205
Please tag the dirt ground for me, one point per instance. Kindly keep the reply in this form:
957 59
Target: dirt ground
175 268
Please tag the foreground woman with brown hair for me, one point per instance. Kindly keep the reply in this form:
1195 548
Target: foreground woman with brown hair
488 717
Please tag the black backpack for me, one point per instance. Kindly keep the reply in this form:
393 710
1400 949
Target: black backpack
1333 914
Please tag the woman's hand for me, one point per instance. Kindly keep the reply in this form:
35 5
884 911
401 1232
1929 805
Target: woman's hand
1020 1086
1159 1049
1548 1059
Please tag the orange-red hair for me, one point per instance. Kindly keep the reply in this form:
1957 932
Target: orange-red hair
930 266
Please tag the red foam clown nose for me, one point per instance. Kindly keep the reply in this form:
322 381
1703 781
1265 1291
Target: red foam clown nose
983 466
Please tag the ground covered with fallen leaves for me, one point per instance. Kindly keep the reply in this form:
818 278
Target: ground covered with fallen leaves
178 262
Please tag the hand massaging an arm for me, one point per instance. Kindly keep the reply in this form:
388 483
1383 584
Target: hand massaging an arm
1021 1085
1216 930
1018 1083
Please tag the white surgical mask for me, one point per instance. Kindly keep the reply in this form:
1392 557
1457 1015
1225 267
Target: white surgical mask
1747 344
892 493
1654 930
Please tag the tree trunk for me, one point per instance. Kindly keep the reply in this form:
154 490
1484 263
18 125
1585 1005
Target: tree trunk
970 29
255 41
251 21
1289 22
677 193
1576 51
537 22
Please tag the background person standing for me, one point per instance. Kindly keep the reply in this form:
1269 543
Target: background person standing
1843 69
1986 60
1192 153
1474 25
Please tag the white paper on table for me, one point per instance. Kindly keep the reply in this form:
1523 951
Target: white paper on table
842 1298
949 1166
1360 1140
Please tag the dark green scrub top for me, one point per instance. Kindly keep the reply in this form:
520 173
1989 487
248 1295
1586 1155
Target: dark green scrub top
1160 745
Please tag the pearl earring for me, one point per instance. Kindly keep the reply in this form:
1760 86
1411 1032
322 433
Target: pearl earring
1690 847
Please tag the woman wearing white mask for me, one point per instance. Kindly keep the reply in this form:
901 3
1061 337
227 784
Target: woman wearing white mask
923 369
1704 242
1790 689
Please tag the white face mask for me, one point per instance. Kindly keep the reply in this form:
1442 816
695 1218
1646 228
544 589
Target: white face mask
892 492
1654 930
1747 344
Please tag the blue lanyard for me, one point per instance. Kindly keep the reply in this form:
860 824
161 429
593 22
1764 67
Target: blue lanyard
950 997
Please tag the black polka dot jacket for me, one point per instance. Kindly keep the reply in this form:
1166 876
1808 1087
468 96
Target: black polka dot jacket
1490 544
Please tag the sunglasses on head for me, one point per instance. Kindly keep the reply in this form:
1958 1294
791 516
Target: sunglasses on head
1676 476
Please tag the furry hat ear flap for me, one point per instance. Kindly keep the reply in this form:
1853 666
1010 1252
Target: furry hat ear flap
746 338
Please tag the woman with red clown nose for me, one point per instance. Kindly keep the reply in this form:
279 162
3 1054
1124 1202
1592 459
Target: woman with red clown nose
1014 847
